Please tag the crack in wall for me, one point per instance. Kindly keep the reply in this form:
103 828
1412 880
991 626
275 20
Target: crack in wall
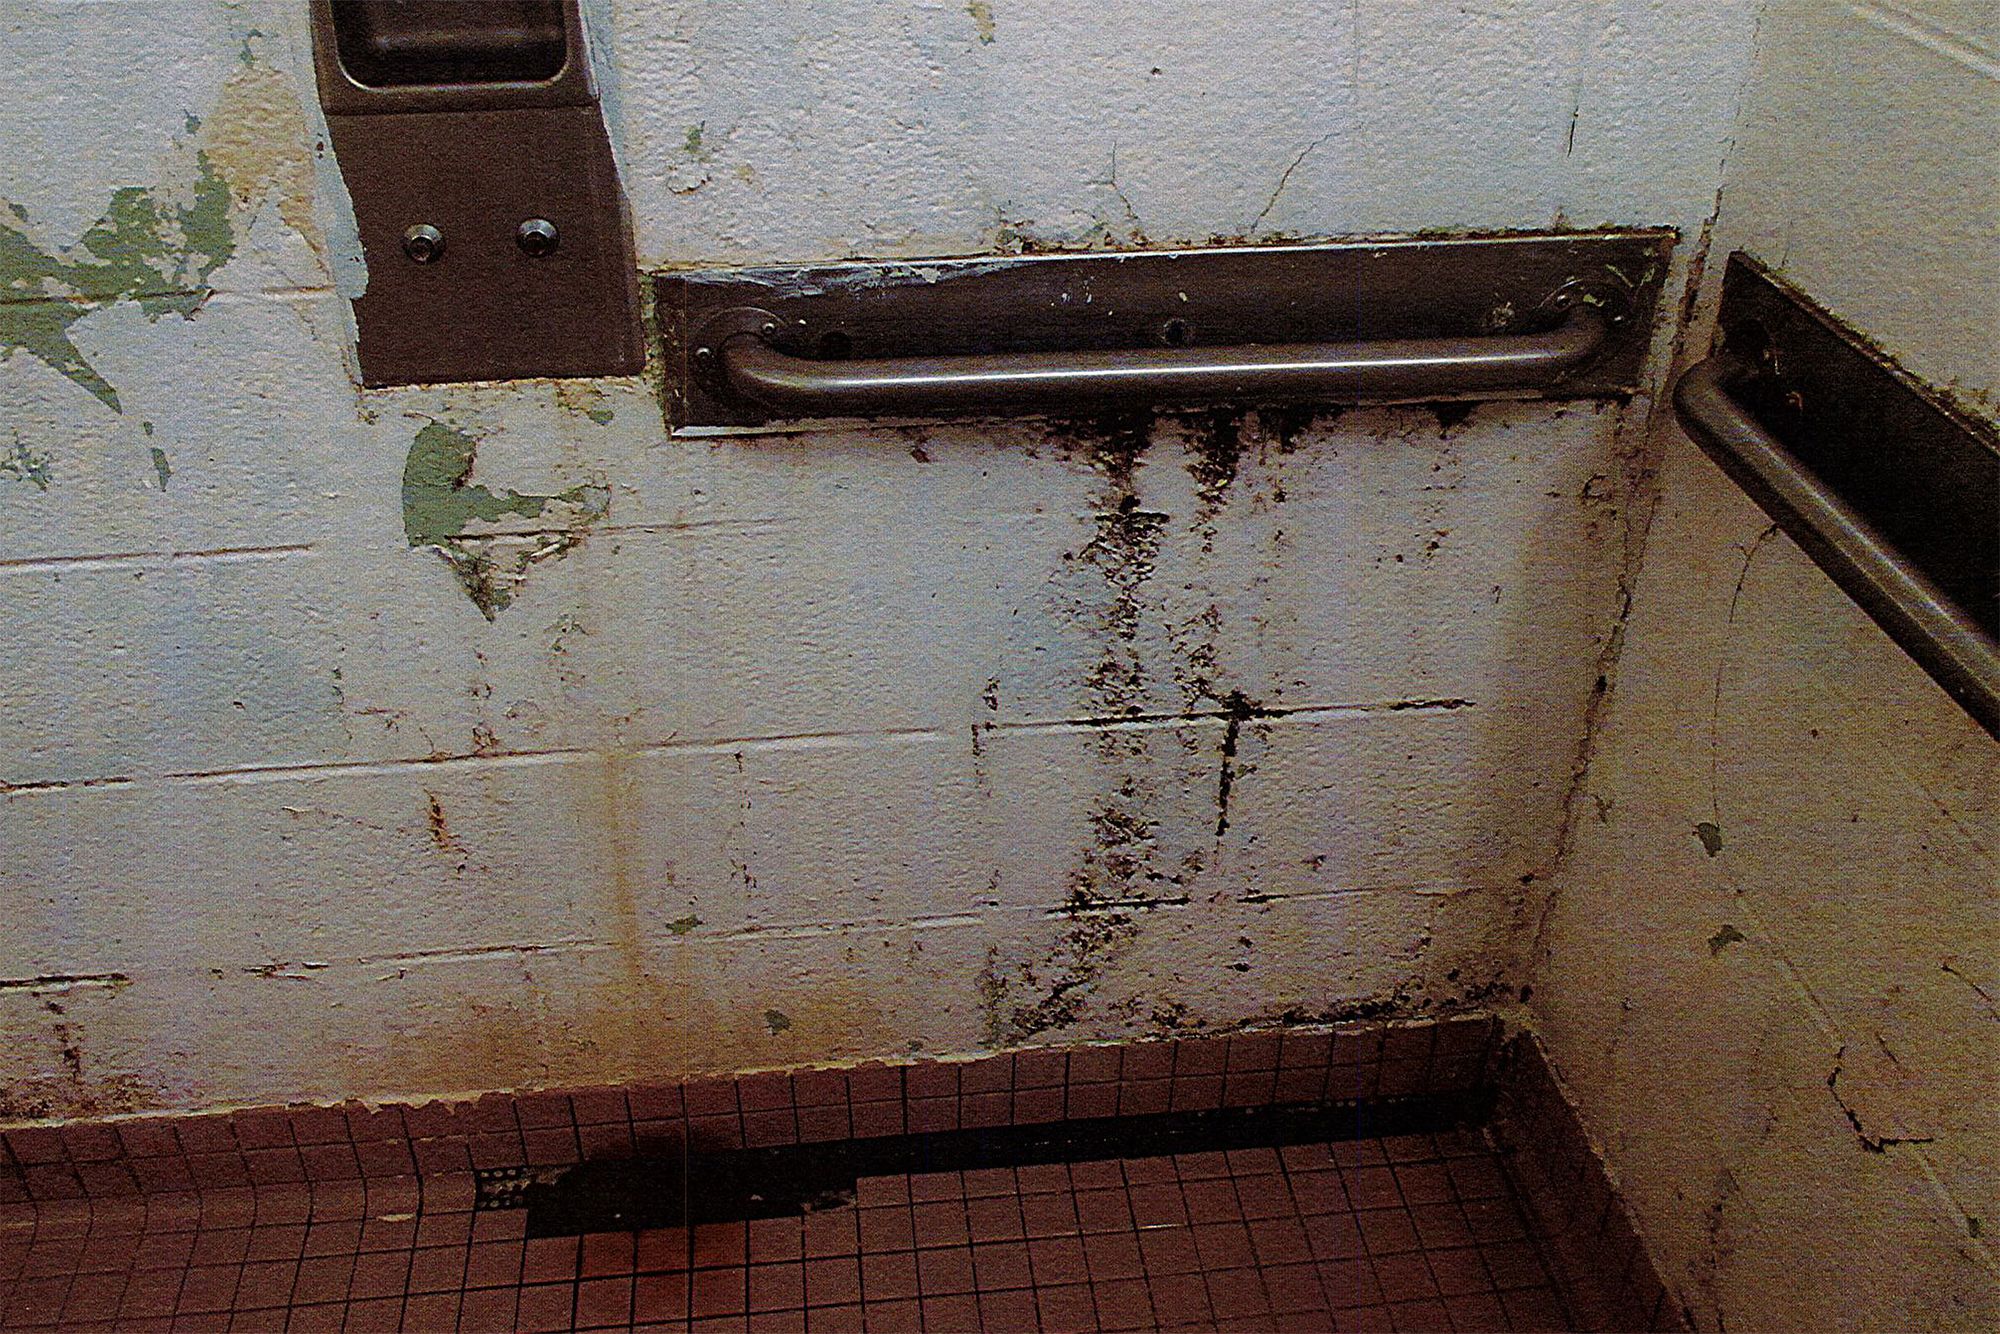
1992 1003
1870 1142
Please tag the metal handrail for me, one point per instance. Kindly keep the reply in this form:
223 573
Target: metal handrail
751 368
1958 653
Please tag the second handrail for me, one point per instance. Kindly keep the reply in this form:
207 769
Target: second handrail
752 368
1957 652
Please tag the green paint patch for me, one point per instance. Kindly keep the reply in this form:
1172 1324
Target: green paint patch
982 20
437 501
1723 939
22 464
680 926
161 468
154 245
441 505
692 144
1710 835
776 1021
602 416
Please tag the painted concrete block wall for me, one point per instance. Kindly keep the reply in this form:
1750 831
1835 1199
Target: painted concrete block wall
412 741
1769 975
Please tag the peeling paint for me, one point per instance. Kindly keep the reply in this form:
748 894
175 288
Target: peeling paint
257 139
1710 834
585 399
63 982
441 505
694 169
982 20
1078 604
156 245
22 464
1723 939
159 245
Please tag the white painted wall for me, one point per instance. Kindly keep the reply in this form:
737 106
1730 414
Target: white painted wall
786 748
1788 1049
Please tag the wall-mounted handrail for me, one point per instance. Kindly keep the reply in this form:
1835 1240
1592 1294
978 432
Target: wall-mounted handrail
752 368
1566 316
1957 652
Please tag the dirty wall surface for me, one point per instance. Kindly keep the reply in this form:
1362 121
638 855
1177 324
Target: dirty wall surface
1771 973
426 740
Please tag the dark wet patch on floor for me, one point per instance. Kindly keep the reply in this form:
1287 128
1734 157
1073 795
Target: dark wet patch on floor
732 1185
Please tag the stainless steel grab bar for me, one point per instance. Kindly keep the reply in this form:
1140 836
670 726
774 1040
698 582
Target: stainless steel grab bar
1957 652
751 368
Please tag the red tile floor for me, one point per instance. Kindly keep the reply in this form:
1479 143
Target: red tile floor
1416 1232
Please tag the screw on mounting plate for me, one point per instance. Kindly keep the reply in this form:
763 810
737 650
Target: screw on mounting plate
536 237
423 243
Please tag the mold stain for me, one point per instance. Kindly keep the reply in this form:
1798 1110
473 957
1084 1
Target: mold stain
1116 876
1215 449
1215 441
441 506
1124 551
71 1086
1450 415
1020 1001
1283 425
1197 658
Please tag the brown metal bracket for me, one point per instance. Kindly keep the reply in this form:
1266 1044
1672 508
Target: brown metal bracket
487 200
1891 490
1563 316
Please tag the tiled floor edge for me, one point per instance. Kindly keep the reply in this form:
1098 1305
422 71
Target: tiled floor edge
355 1142
1567 1192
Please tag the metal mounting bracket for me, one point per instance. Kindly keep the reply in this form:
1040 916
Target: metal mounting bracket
488 204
